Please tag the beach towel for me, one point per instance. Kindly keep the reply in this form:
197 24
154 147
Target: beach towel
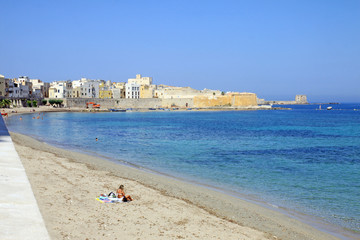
105 199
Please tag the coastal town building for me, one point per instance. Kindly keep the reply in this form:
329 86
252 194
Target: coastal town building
105 90
87 88
147 91
14 89
132 90
40 89
25 87
4 87
140 80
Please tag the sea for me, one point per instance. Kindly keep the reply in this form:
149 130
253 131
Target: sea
303 160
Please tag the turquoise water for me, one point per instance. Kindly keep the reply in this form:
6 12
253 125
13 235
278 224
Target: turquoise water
303 159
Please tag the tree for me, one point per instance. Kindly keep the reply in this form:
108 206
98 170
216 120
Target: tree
58 102
34 103
5 103
29 103
52 101
44 101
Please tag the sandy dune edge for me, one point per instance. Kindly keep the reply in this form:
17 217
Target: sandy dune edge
66 183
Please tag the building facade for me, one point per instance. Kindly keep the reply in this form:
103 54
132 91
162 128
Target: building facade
140 80
132 90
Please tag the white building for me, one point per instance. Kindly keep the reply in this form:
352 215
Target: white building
23 80
40 89
132 90
25 87
57 90
88 88
14 89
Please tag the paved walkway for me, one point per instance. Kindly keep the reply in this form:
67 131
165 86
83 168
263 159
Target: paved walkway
20 217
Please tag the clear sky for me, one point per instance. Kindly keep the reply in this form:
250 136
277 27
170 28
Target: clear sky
274 48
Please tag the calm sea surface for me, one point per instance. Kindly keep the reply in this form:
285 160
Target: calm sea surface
303 159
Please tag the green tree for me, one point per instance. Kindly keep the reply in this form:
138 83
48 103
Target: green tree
29 103
5 103
58 102
52 101
34 103
44 101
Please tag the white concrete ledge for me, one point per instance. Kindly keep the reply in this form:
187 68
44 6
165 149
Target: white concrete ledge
20 217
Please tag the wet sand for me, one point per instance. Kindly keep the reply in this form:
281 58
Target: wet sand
66 183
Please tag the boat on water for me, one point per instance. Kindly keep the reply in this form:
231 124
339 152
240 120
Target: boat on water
117 110
329 108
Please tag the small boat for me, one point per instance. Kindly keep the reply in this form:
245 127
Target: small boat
329 108
117 110
152 108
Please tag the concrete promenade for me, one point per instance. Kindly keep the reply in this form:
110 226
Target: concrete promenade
20 217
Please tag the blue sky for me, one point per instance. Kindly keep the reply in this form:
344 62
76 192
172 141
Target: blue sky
273 48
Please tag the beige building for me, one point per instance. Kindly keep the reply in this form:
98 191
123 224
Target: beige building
4 87
75 92
140 80
147 91
40 89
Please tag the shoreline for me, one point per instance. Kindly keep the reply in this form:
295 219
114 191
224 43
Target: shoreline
313 221
222 205
40 109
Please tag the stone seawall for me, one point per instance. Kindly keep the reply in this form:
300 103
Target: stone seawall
129 102
233 100
284 103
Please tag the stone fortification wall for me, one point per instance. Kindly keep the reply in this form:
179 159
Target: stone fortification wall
178 102
203 101
128 102
281 102
299 99
244 100
230 100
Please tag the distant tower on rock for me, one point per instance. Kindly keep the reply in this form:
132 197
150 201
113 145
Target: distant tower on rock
302 99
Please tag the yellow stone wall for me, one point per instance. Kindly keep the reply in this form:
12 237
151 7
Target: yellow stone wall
105 94
146 91
229 100
244 100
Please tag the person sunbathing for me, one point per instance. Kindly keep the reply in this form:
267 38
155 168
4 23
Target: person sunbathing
121 194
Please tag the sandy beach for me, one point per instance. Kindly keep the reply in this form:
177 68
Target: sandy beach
66 184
